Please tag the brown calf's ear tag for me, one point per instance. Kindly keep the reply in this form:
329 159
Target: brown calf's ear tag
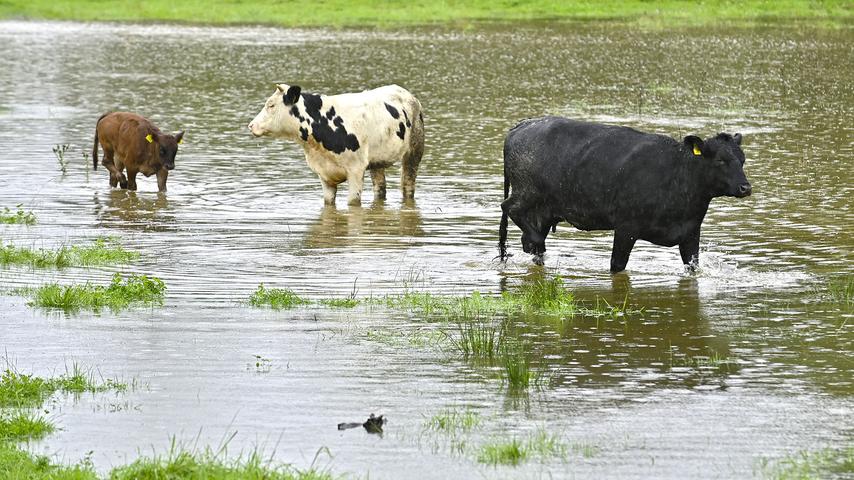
697 151
151 139
181 141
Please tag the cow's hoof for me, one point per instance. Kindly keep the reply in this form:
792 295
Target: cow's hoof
538 260
123 185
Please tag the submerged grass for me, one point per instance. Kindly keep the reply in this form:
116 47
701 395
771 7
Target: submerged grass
104 251
841 291
136 289
20 216
808 465
29 391
19 426
451 421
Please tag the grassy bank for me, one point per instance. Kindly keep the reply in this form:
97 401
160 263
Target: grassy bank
390 13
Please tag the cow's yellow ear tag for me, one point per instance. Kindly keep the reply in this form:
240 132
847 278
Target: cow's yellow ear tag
151 139
181 141
697 151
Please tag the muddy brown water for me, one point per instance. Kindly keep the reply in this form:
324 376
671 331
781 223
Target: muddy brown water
240 211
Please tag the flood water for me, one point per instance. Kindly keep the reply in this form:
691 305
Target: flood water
241 211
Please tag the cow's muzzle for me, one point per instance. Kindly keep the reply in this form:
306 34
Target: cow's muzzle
169 167
744 190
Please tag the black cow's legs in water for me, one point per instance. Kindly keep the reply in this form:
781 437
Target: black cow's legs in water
689 249
620 253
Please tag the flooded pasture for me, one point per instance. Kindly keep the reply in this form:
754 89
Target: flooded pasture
743 362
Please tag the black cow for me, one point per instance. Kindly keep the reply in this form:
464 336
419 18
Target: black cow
605 177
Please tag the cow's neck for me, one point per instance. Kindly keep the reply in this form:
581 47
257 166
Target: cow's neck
690 179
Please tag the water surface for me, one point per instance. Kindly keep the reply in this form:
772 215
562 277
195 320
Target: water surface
241 211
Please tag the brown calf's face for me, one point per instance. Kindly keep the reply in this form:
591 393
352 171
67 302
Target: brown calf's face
167 148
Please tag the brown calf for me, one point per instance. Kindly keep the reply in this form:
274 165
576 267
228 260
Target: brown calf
130 141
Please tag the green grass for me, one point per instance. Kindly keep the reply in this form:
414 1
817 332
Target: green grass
808 465
208 465
841 291
539 445
478 339
17 464
103 251
512 452
136 289
18 217
667 13
451 421
19 390
277 298
19 426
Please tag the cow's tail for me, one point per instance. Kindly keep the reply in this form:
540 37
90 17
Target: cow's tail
95 147
502 229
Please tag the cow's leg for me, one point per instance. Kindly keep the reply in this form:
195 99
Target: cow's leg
378 181
355 183
412 159
131 181
109 162
689 249
120 166
533 225
329 191
162 174
623 244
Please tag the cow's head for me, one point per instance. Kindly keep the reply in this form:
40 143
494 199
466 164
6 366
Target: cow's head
276 118
164 147
723 163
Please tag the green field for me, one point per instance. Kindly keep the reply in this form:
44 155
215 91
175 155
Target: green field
393 13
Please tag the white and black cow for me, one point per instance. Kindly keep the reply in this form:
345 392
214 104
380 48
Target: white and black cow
605 177
344 135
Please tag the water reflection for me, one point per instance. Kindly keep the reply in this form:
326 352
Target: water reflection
359 227
128 209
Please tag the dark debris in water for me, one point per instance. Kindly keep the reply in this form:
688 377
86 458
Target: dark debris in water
373 424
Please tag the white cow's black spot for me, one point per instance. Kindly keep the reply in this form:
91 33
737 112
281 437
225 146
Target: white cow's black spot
335 140
331 113
303 133
401 132
295 113
408 125
393 111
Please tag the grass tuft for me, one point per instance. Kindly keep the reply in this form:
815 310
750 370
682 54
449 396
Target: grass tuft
506 453
183 464
20 426
277 298
117 295
451 421
104 251
541 445
25 391
19 217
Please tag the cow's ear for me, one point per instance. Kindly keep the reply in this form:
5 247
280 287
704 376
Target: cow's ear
292 95
179 136
280 88
737 138
694 144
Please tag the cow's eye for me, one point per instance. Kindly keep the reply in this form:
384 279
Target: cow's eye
162 151
269 106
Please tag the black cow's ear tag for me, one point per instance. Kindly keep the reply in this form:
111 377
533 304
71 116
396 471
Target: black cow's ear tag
697 151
